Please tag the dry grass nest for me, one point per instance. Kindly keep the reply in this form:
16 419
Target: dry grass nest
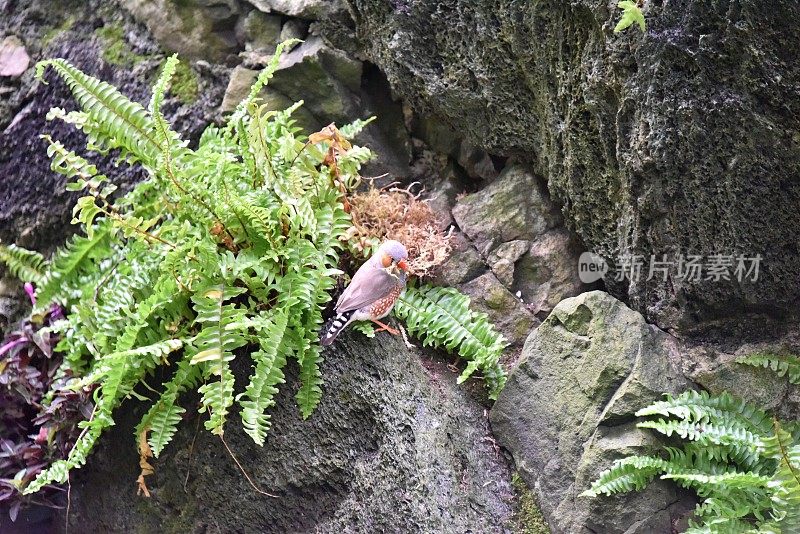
399 214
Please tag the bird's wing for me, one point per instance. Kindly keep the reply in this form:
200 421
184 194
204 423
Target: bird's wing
368 285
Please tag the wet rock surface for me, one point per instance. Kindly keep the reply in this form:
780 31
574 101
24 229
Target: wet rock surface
681 140
395 446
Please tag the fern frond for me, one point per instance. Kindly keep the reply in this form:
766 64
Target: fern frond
223 331
441 317
27 265
733 479
77 257
263 77
310 392
700 406
349 131
161 85
268 373
783 364
162 420
627 474
631 14
786 481
117 117
744 445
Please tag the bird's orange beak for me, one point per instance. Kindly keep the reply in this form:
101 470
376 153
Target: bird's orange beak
403 265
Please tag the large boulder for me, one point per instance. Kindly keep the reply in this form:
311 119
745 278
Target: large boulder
394 446
568 408
679 140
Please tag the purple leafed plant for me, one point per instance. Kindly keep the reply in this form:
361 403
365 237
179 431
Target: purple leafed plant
33 433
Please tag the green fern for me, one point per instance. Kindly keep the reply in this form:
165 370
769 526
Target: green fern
441 317
123 123
631 14
744 466
784 448
260 393
628 474
27 265
226 251
784 364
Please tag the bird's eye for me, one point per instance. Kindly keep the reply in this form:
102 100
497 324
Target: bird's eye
386 260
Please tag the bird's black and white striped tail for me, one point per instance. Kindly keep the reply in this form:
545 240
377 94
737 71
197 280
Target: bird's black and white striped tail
335 327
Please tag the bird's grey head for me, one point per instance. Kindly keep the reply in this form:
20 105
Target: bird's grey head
395 249
392 255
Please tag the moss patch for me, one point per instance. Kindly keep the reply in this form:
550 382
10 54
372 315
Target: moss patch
116 50
185 85
54 32
528 519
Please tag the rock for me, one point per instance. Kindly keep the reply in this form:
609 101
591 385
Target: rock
314 60
259 31
505 311
548 272
294 29
566 413
476 162
191 29
394 446
14 59
330 84
714 367
326 80
512 207
306 9
441 181
35 208
435 133
13 306
238 88
463 265
682 139
503 258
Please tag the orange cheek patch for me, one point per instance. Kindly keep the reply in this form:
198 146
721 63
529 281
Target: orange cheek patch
386 260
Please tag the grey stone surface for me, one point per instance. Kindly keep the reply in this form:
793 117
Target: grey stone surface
503 258
682 139
714 367
513 207
294 29
548 272
463 265
394 446
307 9
238 87
259 31
505 311
196 30
567 412
35 209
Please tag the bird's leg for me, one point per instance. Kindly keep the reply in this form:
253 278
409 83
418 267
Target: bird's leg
384 327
